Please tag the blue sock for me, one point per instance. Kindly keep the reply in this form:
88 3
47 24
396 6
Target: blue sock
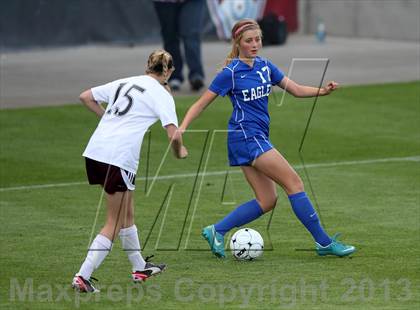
307 215
243 214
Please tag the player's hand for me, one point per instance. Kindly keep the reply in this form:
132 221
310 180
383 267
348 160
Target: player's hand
183 152
331 86
178 134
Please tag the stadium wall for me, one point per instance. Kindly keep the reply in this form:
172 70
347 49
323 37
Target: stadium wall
46 23
381 19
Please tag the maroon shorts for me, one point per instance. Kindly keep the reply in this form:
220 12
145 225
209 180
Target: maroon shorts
112 178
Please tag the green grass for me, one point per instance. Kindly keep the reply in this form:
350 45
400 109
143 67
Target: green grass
44 232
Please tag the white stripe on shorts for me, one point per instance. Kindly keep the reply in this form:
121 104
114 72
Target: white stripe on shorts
128 178
268 142
243 131
259 144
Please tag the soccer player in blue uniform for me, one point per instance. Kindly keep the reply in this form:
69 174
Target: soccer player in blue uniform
248 80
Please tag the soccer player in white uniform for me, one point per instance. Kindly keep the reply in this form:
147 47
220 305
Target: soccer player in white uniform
112 158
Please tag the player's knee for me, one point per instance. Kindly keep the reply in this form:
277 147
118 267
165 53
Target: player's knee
268 203
295 185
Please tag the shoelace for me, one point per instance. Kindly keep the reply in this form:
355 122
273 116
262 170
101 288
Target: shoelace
335 239
148 258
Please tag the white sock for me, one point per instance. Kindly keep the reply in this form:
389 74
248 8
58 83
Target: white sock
131 244
98 250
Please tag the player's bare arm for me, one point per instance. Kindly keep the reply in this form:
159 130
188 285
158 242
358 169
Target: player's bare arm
302 91
87 98
178 149
199 106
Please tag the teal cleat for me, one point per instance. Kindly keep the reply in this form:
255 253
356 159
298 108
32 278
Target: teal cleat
216 241
335 248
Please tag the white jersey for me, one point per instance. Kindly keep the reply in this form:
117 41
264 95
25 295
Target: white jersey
134 104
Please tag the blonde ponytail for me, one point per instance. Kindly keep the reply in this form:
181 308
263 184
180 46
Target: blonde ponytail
234 53
159 62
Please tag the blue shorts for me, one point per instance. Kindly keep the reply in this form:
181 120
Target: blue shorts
243 151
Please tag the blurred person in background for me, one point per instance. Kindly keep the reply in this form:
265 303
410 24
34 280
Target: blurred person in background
180 20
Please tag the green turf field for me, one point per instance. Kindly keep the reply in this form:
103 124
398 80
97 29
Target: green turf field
363 157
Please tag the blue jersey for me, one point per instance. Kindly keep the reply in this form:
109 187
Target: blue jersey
248 89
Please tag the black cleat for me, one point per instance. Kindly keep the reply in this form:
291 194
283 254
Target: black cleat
84 286
150 269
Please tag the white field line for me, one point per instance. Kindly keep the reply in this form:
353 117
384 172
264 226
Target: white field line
216 173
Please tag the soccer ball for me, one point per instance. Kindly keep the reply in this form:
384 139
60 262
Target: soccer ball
246 244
